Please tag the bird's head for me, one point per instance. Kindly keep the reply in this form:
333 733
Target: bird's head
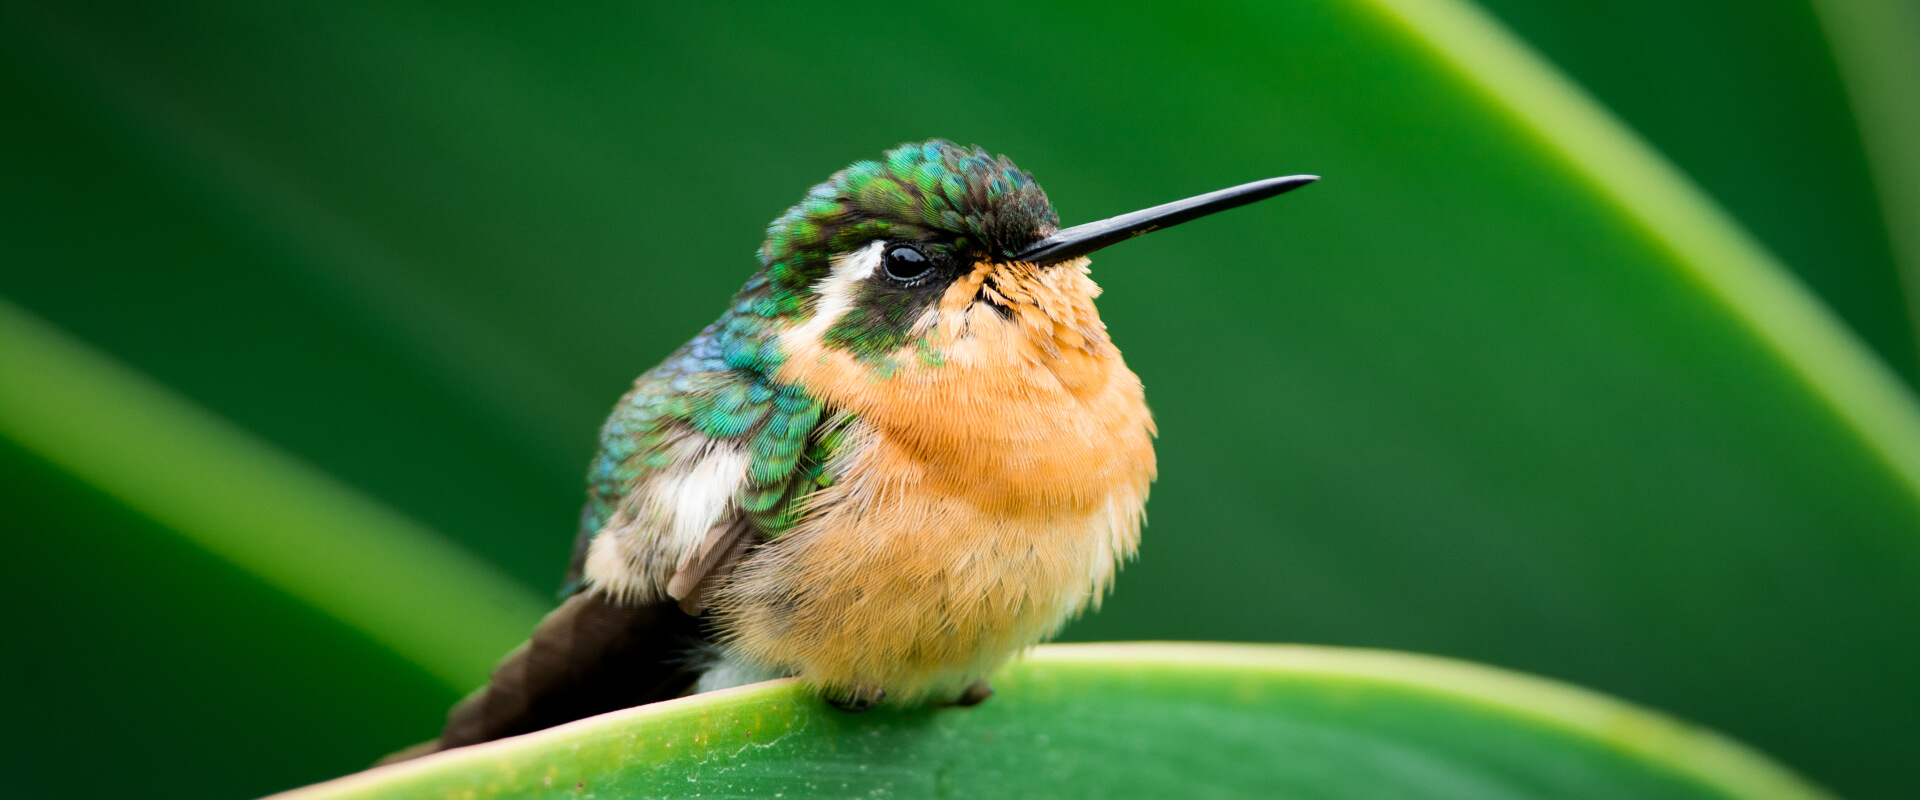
937 249
932 295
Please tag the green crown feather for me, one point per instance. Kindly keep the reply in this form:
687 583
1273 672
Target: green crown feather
934 190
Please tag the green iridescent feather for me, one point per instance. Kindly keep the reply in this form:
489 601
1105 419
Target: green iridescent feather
722 385
933 191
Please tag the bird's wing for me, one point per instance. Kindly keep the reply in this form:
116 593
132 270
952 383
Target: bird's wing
698 462
695 465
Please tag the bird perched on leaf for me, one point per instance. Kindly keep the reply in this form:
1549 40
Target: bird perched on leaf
905 452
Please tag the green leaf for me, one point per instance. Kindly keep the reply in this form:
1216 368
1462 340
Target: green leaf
432 603
1118 721
1701 238
120 628
1877 45
1478 393
1745 98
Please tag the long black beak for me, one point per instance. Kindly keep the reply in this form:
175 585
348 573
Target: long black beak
1080 240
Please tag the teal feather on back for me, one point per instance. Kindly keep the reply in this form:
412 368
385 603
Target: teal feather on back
719 386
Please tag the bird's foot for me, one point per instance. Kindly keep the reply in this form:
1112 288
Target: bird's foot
973 695
854 701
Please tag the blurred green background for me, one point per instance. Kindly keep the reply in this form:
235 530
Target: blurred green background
1470 395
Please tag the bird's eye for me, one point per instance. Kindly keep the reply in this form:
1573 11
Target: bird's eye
906 265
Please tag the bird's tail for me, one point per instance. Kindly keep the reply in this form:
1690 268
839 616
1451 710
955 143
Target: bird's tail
592 655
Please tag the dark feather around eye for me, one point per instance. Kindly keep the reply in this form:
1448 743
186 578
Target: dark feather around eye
906 264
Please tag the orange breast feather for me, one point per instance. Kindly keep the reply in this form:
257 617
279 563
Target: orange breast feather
994 478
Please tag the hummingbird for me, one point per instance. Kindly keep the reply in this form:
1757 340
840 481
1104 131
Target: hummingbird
906 452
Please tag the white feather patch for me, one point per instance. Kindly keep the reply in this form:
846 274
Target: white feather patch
663 523
835 292
697 498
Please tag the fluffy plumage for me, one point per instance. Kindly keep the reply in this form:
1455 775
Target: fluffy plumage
885 486
984 496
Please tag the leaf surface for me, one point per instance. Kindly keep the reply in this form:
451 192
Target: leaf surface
1125 721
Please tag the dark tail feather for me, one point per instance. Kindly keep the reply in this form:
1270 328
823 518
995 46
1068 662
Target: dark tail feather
590 656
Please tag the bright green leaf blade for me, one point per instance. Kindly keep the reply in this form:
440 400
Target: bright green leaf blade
121 629
299 530
233 301
1702 237
1745 98
1877 45
1116 721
